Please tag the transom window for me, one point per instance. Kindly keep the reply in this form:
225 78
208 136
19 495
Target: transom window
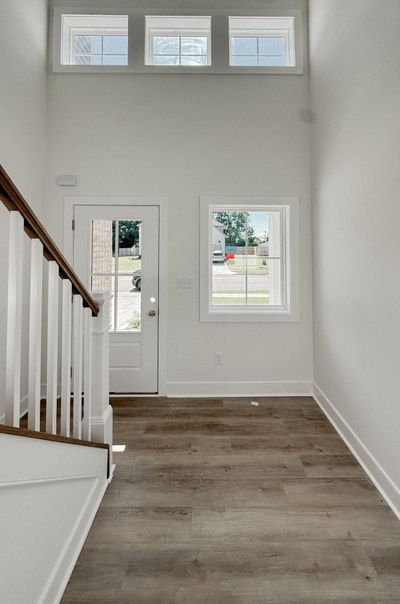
256 44
94 40
178 41
262 41
246 259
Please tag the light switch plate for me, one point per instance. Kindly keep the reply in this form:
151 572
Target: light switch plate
184 282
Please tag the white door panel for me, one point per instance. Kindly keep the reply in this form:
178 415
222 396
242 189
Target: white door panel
110 244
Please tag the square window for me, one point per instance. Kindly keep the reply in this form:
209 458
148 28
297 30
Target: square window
94 39
175 40
247 271
262 41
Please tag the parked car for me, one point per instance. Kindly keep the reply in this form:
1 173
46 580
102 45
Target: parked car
137 279
218 256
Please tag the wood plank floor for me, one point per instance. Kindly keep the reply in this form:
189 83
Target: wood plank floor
220 502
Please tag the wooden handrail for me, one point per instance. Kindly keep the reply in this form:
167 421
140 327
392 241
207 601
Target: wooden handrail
57 438
13 200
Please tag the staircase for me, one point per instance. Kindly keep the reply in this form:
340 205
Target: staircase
55 417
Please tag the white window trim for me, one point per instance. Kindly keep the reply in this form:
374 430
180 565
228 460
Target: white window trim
271 32
179 32
219 42
91 32
289 311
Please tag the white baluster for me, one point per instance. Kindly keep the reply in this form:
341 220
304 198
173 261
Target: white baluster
102 418
35 334
52 347
14 315
77 364
66 332
87 375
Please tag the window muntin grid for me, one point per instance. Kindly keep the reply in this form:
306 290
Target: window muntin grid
180 50
111 269
251 272
259 50
99 48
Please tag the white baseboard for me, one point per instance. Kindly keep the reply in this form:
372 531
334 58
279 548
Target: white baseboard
231 389
383 482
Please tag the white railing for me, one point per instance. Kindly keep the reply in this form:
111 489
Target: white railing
62 396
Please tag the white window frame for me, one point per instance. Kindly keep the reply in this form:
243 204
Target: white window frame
275 30
218 46
91 32
63 34
178 32
289 309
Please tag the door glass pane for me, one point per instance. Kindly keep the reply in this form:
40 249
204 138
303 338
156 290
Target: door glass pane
116 266
105 283
129 246
128 305
103 251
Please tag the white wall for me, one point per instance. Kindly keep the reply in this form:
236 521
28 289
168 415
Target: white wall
23 116
355 49
182 137
23 98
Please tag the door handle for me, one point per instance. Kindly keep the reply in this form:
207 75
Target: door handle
152 313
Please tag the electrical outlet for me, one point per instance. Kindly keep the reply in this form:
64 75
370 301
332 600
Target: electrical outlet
218 358
184 282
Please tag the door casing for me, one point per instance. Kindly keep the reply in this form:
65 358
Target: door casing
71 201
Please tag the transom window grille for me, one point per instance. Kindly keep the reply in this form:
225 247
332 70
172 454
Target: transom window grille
174 40
94 40
100 49
180 50
262 41
258 51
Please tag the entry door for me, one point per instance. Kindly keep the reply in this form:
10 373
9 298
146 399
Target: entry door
116 249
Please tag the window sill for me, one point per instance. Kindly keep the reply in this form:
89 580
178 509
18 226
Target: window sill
181 69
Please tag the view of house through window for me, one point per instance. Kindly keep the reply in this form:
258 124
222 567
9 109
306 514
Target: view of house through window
116 264
246 258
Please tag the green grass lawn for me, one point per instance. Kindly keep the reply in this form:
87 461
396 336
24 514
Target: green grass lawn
128 264
255 265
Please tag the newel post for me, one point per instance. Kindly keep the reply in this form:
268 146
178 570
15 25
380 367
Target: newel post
102 419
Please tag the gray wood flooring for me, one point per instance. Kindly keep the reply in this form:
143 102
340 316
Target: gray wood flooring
220 502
